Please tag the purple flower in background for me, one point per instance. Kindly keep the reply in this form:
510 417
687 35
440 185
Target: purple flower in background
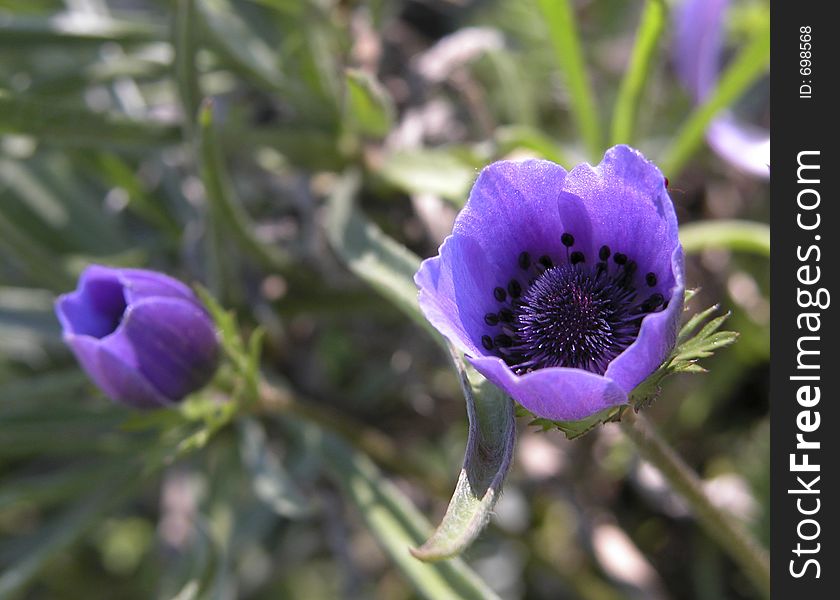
699 40
143 337
564 289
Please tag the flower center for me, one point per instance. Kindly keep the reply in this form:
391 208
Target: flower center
574 314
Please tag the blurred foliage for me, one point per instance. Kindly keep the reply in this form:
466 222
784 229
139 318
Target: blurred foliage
275 151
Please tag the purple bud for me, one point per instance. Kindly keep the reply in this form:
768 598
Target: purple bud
143 337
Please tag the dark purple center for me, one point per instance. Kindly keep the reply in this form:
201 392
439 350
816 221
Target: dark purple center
573 314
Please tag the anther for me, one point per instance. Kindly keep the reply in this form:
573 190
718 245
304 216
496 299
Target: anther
568 240
503 340
650 278
524 260
630 268
487 342
577 257
667 183
500 294
514 289
491 319
545 261
620 258
506 316
654 301
604 252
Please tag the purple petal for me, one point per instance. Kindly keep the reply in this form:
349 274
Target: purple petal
699 37
96 306
742 145
520 206
113 376
656 337
170 342
456 290
140 284
555 393
630 210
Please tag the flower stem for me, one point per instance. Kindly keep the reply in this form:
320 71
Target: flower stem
718 524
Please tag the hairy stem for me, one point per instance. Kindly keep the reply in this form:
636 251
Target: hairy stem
732 537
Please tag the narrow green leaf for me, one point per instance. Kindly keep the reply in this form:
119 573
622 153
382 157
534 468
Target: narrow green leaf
741 236
63 30
390 516
563 34
270 481
647 40
369 110
232 36
374 257
52 122
488 457
225 208
186 73
441 172
66 528
747 67
37 261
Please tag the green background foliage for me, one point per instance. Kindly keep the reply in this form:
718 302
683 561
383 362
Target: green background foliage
296 159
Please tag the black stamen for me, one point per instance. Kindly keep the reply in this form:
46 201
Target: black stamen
524 260
620 258
568 240
604 252
503 340
500 294
487 342
653 302
546 261
514 289
491 319
650 278
506 316
577 257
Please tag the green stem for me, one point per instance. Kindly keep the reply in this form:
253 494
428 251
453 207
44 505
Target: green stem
743 236
650 30
748 66
732 537
563 33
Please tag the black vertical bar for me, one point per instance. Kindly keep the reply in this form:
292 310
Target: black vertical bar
804 173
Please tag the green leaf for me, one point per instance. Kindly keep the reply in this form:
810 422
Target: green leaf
270 481
67 527
390 516
747 67
64 31
234 37
374 257
575 429
442 172
52 122
741 236
563 35
226 209
691 346
186 47
514 137
633 84
488 457
369 110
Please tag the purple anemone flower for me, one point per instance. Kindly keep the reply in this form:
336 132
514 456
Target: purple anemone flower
699 28
143 337
563 289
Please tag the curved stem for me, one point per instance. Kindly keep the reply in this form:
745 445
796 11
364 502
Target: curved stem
732 537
